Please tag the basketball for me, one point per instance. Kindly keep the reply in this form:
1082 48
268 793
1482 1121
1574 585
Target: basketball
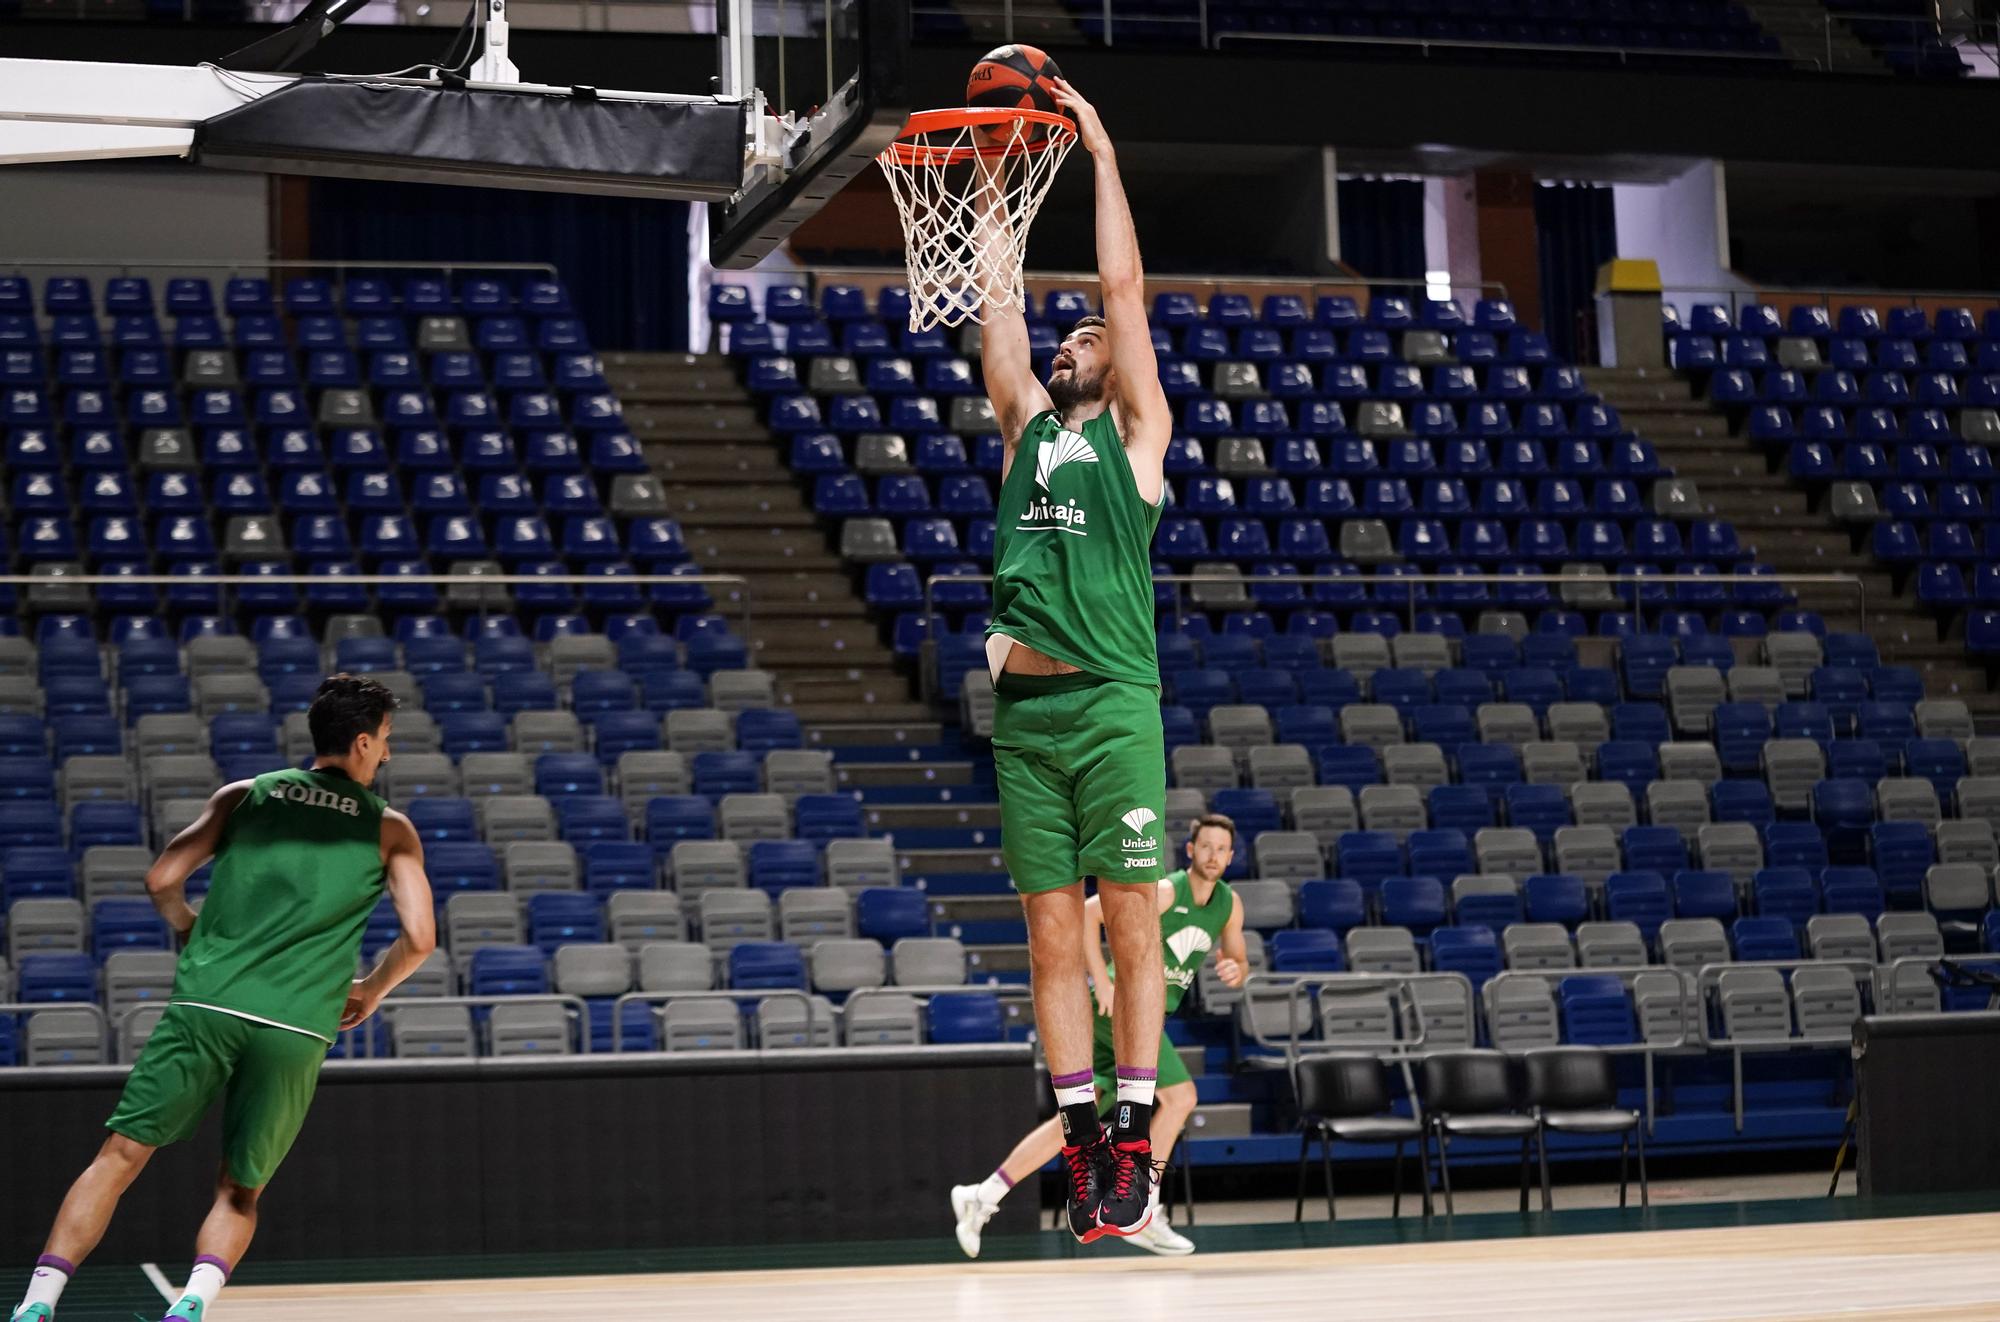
1013 78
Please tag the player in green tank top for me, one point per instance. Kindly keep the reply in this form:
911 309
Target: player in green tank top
1078 754
1198 916
264 983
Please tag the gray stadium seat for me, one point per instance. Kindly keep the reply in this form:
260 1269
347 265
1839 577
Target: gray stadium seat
1580 723
1216 996
65 1037
1944 718
1694 760
1583 587
675 966
1791 768
1853 502
1271 1012
859 864
1426 348
749 817
433 977
1967 841
1184 804
1362 1019
1948 888
1693 692
137 977
217 695
1509 624
17 657
162 734
1398 809
742 690
593 968
1203 767
572 653
1755 1006
869 541
1689 943
538 732
732 916
1755 684
848 964
1979 797
1378 419
1555 763
1288 856
294 737
215 654
417 775
179 776
1324 810
783 1022
1606 803
972 414
636 919
1511 723
1239 728
879 453
506 818
1441 1008
701 1026
1239 456
439 1033
1224 590
1979 426
1421 766
692 730
1982 756
1907 799
1799 352
172 816
650 773
1382 950
810 914
1521 1014
1428 652
1266 904
1840 936
795 771
1908 989
1588 852
702 865
87 778
1361 654
928 961
132 1031
1903 935
1794 655
1537 946
21 695
109 871
532 866
1677 498
1615 945
466 592
1682 804
885 1021
474 919
1661 1005
45 926
1732 847
1280 768
1507 851
976 704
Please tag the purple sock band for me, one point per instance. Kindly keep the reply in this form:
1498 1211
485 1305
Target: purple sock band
213 1261
1076 1080
1003 1178
1136 1075
63 1265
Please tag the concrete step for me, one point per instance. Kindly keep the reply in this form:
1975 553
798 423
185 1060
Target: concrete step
768 503
901 710
920 861
718 418
879 732
932 816
863 775
712 466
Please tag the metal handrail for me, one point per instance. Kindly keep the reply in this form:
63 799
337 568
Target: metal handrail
1404 1005
1004 991
748 994
1306 284
1638 582
1706 976
1825 296
362 1037
740 599
1645 1048
1426 44
343 266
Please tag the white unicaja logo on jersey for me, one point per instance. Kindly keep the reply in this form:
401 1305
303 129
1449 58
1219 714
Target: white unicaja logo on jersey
314 797
1044 514
1189 942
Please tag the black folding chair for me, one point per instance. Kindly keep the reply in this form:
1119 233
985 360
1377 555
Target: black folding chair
1347 1098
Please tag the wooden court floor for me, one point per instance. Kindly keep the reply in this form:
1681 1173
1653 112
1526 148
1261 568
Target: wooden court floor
1911 1269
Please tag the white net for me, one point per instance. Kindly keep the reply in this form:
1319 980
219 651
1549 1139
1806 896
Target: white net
967 191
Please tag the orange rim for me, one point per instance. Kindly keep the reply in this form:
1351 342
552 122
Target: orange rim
909 148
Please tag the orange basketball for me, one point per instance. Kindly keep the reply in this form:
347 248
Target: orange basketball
1013 78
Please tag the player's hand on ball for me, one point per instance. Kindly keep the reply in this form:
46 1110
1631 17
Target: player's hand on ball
360 1004
1089 128
1230 972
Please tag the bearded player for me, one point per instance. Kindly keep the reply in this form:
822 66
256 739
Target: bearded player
1198 913
266 980
1077 746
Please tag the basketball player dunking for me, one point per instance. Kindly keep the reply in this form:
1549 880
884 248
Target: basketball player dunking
1198 915
1077 745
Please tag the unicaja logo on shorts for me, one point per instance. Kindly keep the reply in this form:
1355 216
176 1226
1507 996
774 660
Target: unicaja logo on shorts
1136 821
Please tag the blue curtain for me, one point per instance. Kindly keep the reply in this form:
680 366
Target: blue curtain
624 259
1576 232
1382 227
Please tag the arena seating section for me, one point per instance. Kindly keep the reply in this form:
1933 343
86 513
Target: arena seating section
1533 809
1890 424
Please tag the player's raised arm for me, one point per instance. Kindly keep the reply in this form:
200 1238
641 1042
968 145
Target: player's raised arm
410 891
1142 406
166 880
1003 343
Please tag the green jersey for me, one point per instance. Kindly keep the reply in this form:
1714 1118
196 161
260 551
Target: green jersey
1188 932
1072 552
297 872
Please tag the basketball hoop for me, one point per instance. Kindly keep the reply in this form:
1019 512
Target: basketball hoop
947 170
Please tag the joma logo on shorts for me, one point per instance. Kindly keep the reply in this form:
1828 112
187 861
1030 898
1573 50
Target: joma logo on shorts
1142 862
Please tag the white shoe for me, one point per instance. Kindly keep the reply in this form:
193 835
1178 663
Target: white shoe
972 1214
1161 1238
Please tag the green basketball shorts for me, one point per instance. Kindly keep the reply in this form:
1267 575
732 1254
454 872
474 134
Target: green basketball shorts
1082 767
266 1076
1104 1064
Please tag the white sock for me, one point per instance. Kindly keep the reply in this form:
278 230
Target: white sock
204 1283
994 1187
1135 1085
46 1285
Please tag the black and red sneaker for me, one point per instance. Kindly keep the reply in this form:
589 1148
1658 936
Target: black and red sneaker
1086 1166
1127 1206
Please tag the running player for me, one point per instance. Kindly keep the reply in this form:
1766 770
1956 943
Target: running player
266 980
1077 747
1198 913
